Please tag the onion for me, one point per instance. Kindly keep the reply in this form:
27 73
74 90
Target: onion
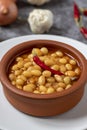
8 12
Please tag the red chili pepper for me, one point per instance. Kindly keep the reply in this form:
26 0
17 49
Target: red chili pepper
43 66
76 12
77 16
84 31
85 12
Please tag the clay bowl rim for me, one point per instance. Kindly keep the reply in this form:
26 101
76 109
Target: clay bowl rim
14 50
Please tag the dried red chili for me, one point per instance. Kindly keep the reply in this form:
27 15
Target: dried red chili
45 67
85 12
76 13
84 31
77 16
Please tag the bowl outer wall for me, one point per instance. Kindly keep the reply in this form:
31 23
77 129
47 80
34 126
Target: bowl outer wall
18 49
44 107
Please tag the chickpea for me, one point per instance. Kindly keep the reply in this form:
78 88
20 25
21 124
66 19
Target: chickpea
77 71
48 85
20 64
59 89
61 84
19 59
53 60
29 87
37 67
67 58
37 51
44 50
68 86
17 72
14 67
59 53
22 77
43 92
26 60
41 80
50 90
49 62
62 68
46 73
32 86
54 55
42 88
58 78
12 77
30 56
13 83
63 61
27 74
36 92
55 67
55 85
19 86
19 82
69 67
71 73
30 68
67 80
42 58
27 64
51 79
36 72
72 62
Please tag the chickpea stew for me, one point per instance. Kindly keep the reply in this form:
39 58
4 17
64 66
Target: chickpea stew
29 75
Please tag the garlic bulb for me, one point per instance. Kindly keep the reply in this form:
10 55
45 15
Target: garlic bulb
38 2
40 20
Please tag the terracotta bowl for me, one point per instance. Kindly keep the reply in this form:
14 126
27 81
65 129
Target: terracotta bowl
47 104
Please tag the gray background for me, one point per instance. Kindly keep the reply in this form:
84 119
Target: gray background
64 24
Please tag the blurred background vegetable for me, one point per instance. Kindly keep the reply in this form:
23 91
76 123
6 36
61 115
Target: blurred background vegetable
8 12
